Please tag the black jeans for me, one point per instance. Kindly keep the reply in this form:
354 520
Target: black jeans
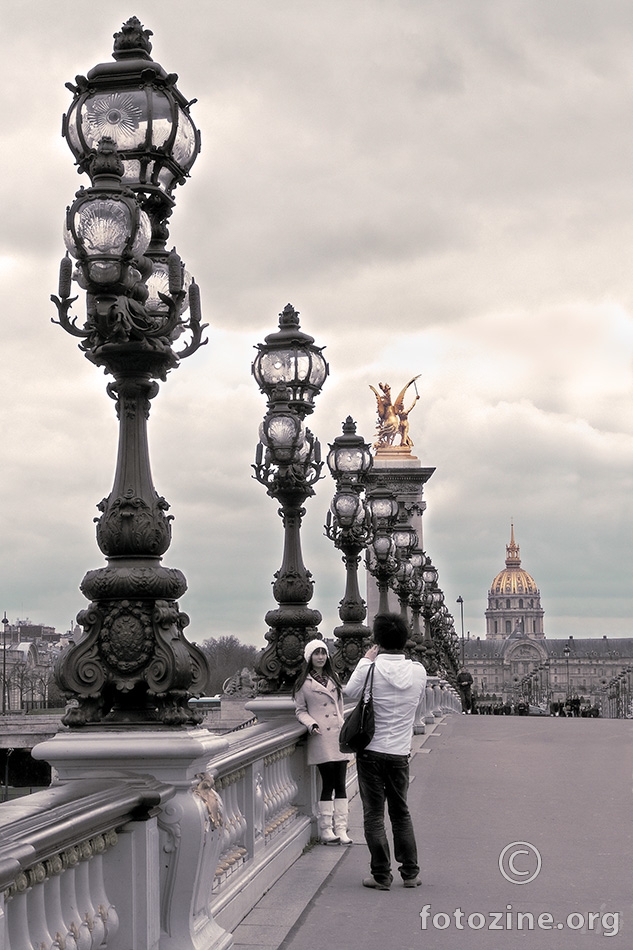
380 777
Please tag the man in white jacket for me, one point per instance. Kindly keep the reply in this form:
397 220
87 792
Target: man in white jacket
383 768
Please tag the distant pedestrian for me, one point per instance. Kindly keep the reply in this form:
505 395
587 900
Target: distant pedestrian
319 706
465 685
383 767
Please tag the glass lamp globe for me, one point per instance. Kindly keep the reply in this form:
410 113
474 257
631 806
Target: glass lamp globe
283 434
158 283
382 504
349 457
136 103
347 508
289 356
106 232
404 537
383 547
430 574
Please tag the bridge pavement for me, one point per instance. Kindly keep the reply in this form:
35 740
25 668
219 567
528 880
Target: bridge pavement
480 784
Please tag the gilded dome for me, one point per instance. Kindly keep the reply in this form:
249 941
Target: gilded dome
513 579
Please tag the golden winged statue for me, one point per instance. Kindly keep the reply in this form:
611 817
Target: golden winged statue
393 418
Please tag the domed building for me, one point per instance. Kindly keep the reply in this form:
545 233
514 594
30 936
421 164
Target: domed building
515 660
514 600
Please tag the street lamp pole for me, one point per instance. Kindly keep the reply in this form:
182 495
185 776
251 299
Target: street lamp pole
382 560
290 370
348 526
129 129
566 653
4 663
460 601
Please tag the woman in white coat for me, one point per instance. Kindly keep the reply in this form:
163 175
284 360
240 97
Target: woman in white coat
319 706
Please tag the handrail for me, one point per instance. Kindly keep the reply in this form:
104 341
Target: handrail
35 828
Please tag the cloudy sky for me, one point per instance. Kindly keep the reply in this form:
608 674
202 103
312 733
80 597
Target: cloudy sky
442 187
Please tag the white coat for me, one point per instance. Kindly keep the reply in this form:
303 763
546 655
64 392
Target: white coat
322 705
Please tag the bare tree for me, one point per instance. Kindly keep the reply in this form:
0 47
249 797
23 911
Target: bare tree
226 656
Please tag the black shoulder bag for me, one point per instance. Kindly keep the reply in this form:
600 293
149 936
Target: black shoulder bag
358 729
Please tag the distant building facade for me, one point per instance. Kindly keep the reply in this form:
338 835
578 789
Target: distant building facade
27 655
516 659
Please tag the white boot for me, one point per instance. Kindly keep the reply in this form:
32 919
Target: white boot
340 820
326 813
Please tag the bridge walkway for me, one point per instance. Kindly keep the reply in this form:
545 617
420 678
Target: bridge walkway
553 790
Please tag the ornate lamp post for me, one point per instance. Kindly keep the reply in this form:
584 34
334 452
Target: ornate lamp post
4 663
382 561
403 581
460 601
290 370
349 527
130 130
566 652
417 560
432 596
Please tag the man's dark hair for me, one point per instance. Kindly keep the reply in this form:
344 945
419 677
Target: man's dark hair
390 631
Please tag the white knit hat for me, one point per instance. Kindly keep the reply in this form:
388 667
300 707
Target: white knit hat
312 646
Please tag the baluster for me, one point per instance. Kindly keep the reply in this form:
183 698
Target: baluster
90 920
105 910
69 899
39 933
57 925
17 914
260 806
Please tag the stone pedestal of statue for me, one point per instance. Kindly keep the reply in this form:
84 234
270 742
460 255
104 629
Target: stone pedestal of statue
402 473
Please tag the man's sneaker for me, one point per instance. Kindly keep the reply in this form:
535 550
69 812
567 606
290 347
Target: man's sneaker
412 882
372 882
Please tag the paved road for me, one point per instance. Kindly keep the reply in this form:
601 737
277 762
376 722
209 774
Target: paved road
481 783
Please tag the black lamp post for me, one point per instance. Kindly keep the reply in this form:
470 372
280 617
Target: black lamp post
403 581
130 130
349 528
432 596
417 560
4 663
460 601
290 370
566 652
382 561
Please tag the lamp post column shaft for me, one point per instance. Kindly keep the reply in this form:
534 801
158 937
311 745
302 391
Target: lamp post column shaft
352 595
133 463
133 522
383 594
4 663
293 572
293 623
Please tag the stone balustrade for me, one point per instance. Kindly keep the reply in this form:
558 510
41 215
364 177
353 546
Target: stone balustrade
62 856
158 840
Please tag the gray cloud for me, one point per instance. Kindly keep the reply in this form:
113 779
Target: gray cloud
441 188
